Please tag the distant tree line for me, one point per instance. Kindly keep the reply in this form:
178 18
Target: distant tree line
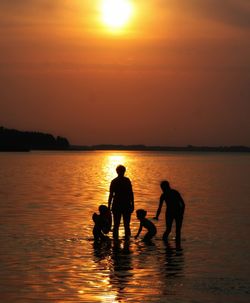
188 148
12 139
15 140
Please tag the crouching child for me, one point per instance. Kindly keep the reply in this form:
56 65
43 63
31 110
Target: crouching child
144 222
103 223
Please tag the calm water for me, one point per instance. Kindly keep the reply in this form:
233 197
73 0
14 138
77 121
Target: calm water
46 247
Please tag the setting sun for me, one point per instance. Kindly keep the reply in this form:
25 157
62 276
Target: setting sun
116 13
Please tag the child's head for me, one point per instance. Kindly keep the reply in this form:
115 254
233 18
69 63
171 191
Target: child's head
120 169
141 213
165 186
103 209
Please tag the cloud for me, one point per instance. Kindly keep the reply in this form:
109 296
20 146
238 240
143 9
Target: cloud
233 12
17 13
18 5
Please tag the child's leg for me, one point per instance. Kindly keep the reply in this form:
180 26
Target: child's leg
96 233
148 237
126 222
169 223
178 221
103 237
117 220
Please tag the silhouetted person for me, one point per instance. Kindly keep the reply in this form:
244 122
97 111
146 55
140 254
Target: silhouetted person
174 211
144 222
121 201
103 223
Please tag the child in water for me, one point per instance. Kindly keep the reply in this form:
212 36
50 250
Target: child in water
103 223
144 222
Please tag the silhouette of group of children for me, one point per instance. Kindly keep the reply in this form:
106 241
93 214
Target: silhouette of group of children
121 204
103 224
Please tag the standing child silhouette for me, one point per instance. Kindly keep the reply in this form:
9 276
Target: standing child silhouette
174 211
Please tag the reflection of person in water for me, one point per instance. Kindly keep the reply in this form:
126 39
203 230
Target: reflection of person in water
122 273
174 212
144 222
116 260
174 261
121 201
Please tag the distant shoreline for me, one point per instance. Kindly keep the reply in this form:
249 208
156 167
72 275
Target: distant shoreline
223 149
12 140
189 148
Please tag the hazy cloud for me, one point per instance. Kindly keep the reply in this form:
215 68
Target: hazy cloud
234 12
28 4
25 12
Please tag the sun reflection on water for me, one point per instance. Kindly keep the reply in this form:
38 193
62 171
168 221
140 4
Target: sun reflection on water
109 164
46 246
114 261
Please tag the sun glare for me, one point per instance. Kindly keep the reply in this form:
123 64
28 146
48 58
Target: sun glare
116 13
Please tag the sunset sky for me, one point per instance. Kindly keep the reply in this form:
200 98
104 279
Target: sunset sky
177 72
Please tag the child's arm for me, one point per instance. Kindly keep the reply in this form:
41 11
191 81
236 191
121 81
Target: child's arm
182 204
139 231
111 195
159 207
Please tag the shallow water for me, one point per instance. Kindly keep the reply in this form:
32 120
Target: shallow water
46 247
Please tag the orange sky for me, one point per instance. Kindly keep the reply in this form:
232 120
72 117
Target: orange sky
177 74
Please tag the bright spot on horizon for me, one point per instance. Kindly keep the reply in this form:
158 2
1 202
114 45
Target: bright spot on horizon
116 13
110 164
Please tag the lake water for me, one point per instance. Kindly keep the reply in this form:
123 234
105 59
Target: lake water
46 244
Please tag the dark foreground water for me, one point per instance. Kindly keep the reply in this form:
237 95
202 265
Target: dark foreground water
47 252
